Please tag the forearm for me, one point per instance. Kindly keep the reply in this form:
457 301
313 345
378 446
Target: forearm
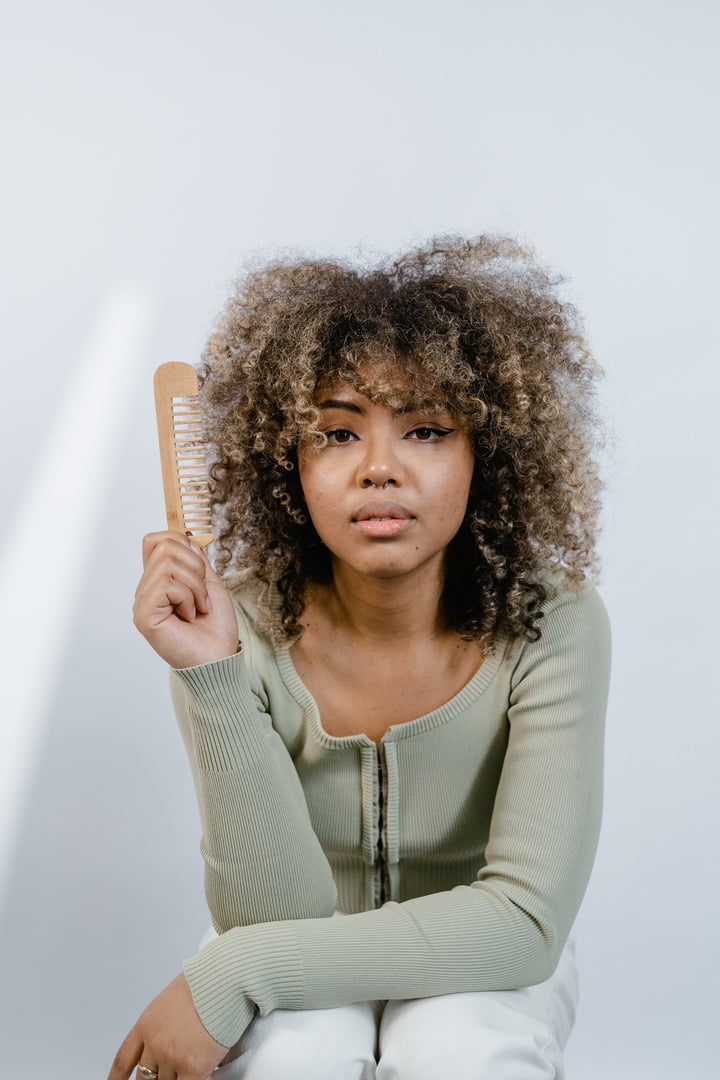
464 941
263 860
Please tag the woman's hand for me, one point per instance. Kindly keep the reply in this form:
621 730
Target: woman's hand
181 605
170 1039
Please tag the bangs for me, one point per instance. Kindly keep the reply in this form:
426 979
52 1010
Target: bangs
399 381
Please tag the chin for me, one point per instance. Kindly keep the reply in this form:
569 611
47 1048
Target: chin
388 570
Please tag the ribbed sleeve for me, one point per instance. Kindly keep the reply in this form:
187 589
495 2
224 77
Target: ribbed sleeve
503 930
263 860
247 970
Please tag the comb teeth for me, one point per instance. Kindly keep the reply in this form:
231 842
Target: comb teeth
182 452
193 485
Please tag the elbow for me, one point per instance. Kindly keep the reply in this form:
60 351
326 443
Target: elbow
545 950
541 949
546 961
244 904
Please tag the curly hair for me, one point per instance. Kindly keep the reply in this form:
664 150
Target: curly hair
476 323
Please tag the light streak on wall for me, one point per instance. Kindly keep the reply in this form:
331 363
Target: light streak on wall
50 538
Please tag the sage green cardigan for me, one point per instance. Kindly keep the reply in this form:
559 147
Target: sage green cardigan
460 845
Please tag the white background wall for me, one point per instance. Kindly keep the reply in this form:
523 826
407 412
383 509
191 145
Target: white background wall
149 149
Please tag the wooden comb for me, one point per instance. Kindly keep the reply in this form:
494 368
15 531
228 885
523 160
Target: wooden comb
182 452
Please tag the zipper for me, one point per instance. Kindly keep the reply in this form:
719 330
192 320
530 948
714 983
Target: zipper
380 864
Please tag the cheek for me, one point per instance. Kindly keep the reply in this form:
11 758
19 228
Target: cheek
320 499
307 476
316 492
458 484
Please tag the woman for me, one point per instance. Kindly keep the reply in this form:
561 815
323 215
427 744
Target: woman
398 764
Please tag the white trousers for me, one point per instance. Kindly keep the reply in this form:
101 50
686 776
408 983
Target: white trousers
494 1035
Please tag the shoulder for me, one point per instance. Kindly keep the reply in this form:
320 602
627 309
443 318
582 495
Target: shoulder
574 629
567 599
561 680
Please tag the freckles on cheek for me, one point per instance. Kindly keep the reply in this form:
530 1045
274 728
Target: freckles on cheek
319 498
322 504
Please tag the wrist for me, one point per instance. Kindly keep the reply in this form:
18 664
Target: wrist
204 661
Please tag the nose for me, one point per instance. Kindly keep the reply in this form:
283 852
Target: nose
380 466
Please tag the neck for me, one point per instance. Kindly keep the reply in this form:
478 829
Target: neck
387 610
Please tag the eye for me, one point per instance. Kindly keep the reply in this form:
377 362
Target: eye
428 434
340 436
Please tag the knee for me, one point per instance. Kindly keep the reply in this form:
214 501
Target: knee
328 1044
418 1041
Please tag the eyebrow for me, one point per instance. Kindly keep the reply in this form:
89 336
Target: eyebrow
350 406
428 406
338 403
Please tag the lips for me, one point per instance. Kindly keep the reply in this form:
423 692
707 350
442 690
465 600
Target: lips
382 519
378 510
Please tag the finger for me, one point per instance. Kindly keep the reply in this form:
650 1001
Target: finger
211 575
127 1057
159 547
210 572
144 1064
162 1072
182 600
170 541
182 544
154 605
188 565
169 562
172 583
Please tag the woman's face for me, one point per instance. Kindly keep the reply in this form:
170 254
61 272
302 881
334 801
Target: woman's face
390 489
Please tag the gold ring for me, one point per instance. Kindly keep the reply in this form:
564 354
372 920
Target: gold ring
147 1074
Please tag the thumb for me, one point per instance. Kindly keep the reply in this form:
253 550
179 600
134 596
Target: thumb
211 575
214 583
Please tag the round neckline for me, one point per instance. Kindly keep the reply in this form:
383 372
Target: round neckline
408 728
